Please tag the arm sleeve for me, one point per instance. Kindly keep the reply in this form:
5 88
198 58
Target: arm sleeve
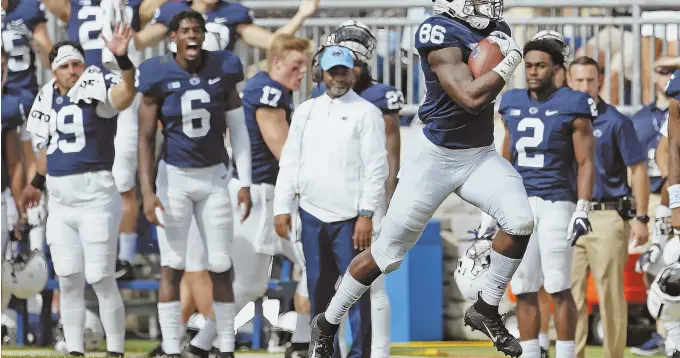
373 159
165 13
630 148
583 106
289 164
240 143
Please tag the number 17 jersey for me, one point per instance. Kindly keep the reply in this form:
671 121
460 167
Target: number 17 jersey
541 139
192 107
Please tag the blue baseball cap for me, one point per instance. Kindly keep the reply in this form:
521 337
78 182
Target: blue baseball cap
336 56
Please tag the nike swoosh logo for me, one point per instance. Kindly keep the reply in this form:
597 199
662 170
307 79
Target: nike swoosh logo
550 113
491 336
213 81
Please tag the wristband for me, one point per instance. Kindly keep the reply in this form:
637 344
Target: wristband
674 196
38 181
583 205
124 62
508 65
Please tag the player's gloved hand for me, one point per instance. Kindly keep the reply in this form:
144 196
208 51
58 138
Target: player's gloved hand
662 225
647 258
506 43
487 225
579 224
35 216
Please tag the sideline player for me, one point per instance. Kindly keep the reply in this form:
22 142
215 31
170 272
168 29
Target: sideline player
74 117
195 93
455 155
84 22
229 20
548 132
358 37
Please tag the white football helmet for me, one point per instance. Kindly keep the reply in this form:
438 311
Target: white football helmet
663 298
25 274
473 267
671 252
478 13
357 37
554 35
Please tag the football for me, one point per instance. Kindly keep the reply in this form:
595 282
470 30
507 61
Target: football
484 57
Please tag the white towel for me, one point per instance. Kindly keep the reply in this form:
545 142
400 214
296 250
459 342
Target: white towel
114 12
90 86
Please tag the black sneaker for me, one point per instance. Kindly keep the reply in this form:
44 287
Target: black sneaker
296 350
494 328
321 344
124 271
114 354
157 352
544 353
195 352
676 354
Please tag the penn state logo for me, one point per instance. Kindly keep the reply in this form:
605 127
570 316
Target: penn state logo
194 81
337 53
60 100
475 51
533 110
597 133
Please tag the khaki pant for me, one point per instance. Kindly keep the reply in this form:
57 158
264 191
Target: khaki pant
604 253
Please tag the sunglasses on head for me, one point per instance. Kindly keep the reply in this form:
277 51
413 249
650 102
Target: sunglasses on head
665 70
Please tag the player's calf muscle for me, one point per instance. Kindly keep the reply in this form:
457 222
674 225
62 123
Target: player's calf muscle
364 268
512 246
170 284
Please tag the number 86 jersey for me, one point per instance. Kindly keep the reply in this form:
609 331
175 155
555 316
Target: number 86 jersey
192 107
541 139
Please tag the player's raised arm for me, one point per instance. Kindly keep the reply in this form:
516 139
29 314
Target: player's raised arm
584 151
60 8
457 80
259 37
122 94
147 9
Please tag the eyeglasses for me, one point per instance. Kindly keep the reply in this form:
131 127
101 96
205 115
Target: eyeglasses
665 70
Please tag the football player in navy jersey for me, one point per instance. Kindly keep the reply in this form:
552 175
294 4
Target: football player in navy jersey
455 155
84 23
229 20
194 91
76 131
358 37
549 141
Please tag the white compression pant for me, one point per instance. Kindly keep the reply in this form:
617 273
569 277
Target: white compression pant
125 142
479 176
547 260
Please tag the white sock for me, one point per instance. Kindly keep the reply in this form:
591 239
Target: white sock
127 246
350 291
501 270
36 238
204 338
224 320
170 319
72 309
380 319
111 313
302 333
565 349
531 349
672 333
543 340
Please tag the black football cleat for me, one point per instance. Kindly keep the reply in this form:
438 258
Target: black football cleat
157 352
494 328
676 354
321 343
124 271
544 353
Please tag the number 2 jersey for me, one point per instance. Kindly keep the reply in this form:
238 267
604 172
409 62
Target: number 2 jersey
192 107
541 139
81 134
18 24
85 24
447 124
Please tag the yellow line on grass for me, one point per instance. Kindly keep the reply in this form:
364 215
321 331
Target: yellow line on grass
451 344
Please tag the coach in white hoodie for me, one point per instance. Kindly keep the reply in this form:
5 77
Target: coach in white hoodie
335 162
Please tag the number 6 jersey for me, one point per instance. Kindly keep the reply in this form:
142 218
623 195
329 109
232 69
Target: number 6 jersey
541 139
192 107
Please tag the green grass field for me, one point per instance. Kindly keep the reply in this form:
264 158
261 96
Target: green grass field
469 349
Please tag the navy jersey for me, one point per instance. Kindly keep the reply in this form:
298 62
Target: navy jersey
447 124
541 139
18 24
673 86
85 24
221 20
616 148
81 134
647 124
192 108
261 91
12 117
389 99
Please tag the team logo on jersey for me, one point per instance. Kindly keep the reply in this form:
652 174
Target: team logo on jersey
597 133
220 20
515 112
550 113
60 100
475 52
173 85
533 110
194 81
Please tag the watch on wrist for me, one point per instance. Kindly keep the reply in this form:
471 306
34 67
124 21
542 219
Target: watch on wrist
366 213
643 219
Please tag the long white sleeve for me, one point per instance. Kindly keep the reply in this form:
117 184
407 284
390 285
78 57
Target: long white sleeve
240 144
289 164
373 160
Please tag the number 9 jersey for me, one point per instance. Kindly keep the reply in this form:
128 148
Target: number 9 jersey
192 107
